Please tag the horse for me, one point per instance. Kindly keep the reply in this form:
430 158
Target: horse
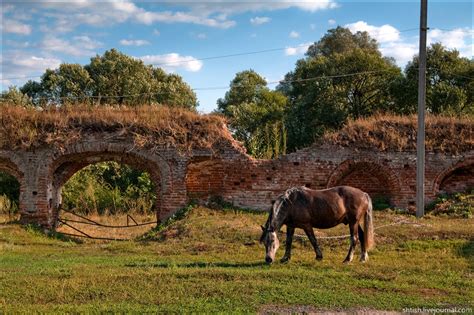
301 207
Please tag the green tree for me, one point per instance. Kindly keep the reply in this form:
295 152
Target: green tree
171 90
15 96
34 91
70 82
256 115
343 76
244 88
119 79
449 84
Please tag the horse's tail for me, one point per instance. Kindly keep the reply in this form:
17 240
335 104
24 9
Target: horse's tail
369 226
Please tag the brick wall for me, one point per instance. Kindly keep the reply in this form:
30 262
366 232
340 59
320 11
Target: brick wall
226 171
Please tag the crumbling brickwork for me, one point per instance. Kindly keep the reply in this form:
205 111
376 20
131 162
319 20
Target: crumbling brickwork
228 173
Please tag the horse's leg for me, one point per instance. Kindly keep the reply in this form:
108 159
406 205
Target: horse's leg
290 230
353 228
363 251
310 233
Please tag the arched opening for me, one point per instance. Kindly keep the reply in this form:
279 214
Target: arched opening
9 197
118 192
377 181
459 178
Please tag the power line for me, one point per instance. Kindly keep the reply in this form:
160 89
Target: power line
218 56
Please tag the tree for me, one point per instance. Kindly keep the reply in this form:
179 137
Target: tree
70 82
244 88
256 114
113 78
260 125
343 76
15 97
119 79
449 84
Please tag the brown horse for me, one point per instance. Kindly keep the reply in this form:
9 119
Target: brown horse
301 207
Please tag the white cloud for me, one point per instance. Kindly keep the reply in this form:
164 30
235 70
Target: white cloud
79 46
20 67
297 50
16 27
402 52
156 32
134 42
403 49
294 34
173 62
213 14
383 34
332 22
259 20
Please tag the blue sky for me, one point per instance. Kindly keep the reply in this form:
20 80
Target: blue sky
37 35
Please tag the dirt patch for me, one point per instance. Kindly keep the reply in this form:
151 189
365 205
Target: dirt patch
307 309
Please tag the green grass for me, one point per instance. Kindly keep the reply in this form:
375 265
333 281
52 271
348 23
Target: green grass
211 262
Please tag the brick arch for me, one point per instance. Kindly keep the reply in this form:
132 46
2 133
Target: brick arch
69 161
369 176
456 178
8 166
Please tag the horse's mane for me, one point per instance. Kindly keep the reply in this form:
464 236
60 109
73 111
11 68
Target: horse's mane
285 197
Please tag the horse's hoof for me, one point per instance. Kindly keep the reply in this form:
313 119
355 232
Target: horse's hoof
285 260
346 261
319 257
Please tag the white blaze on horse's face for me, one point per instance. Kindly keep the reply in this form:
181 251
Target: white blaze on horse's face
271 246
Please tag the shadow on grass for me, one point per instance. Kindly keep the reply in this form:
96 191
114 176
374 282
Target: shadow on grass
197 264
467 251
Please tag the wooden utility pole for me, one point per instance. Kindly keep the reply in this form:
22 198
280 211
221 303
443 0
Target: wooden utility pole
420 141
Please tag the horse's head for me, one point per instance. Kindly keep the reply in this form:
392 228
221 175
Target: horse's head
270 239
269 234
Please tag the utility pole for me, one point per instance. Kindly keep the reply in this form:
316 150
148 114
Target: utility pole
420 141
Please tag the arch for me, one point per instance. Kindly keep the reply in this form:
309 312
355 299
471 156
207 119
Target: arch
9 167
73 159
375 179
457 178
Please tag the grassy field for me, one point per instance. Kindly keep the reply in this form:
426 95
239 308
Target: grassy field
212 262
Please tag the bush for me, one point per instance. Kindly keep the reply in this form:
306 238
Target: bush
109 188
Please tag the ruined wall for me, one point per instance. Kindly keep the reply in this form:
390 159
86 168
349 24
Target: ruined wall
227 172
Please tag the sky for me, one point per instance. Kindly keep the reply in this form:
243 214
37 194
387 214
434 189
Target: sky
185 37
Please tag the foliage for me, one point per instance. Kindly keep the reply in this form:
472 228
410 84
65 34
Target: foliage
449 88
256 115
244 89
14 97
113 78
9 190
326 103
453 205
109 188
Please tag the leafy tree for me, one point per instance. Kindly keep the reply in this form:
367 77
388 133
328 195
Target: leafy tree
260 124
15 96
244 88
320 98
449 84
113 78
256 114
119 78
172 91
69 81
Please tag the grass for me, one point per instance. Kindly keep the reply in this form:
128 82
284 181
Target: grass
211 262
398 133
148 126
